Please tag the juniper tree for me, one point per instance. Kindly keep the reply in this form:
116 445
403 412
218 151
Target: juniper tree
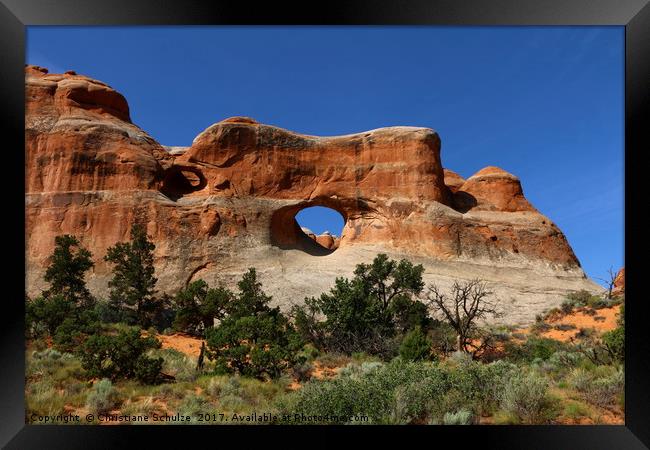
67 300
132 286
66 272
198 306
367 312
253 339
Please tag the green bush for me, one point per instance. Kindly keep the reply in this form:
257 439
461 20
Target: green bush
302 371
401 392
121 356
176 364
461 417
415 346
614 342
526 397
193 405
603 390
102 397
534 348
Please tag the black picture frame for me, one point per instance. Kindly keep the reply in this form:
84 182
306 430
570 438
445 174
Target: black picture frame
634 15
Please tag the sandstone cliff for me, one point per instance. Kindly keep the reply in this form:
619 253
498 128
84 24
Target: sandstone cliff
229 201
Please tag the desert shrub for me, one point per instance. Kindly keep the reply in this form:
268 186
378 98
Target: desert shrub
614 342
540 327
605 391
102 397
121 356
461 417
415 346
192 405
562 361
579 379
534 347
303 370
344 397
53 365
443 338
42 398
73 331
567 306
176 364
333 360
575 410
359 369
214 386
564 327
525 396
402 392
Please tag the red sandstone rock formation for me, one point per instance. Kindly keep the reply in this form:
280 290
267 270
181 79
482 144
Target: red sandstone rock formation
230 199
619 282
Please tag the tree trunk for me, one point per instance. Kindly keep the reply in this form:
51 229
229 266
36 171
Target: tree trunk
459 344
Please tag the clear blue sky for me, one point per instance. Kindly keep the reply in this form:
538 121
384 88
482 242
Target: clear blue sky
544 103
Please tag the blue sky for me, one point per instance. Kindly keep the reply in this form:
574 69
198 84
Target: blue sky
544 103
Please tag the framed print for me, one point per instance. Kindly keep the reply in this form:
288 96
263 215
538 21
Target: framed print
378 215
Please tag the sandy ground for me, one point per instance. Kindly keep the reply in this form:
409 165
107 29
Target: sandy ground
184 343
604 320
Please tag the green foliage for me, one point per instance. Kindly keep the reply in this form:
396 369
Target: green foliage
198 306
132 286
253 339
575 410
415 346
526 397
121 356
601 386
65 311
193 405
534 348
461 417
614 342
176 364
45 314
66 271
401 392
367 312
102 397
72 332
581 299
251 299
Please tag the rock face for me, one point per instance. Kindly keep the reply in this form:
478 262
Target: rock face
619 282
229 201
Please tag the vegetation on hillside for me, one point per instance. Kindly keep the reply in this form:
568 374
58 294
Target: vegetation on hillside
380 348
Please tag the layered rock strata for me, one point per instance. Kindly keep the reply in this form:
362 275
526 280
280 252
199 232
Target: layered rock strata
230 199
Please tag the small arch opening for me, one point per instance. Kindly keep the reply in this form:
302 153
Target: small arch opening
310 226
321 224
179 181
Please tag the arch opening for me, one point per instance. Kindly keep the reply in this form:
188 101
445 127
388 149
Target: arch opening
314 228
179 181
322 224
